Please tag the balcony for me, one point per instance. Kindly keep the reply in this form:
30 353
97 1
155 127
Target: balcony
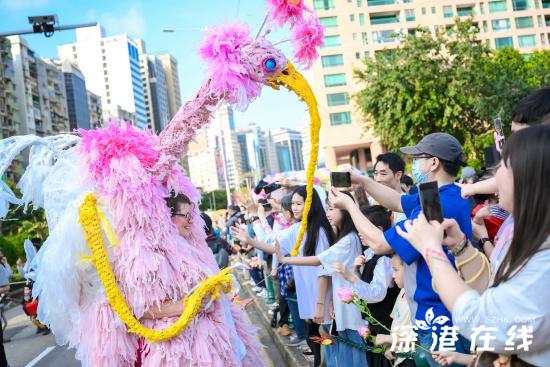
546 4
384 18
465 12
381 2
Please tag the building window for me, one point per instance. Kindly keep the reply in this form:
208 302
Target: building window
520 5
537 6
331 41
357 55
500 25
364 38
423 11
386 36
332 60
447 11
503 42
340 118
527 41
104 72
539 19
409 15
361 19
524 22
497 6
367 55
338 99
542 39
352 17
359 3
481 8
485 28
329 22
433 9
354 35
323 4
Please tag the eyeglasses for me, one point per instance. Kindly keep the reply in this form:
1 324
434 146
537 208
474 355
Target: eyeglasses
188 216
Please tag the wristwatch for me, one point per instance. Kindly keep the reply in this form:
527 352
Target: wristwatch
482 241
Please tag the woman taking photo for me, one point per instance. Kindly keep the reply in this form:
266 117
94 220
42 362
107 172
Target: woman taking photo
343 253
311 282
514 310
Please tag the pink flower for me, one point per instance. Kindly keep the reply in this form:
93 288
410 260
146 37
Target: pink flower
282 11
346 295
307 35
363 331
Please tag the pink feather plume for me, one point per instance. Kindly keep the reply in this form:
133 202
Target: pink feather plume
221 50
101 146
283 11
307 35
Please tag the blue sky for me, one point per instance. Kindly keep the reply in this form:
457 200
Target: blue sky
146 19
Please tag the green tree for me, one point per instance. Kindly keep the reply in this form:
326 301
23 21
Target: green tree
451 82
20 225
213 200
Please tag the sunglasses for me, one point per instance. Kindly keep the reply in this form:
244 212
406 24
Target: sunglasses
187 216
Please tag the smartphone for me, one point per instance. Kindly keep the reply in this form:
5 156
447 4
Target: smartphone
340 179
429 200
500 132
268 189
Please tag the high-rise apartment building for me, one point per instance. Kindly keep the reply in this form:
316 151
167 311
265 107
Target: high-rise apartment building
95 110
355 29
154 89
170 66
9 112
77 96
253 154
292 139
214 160
112 70
40 90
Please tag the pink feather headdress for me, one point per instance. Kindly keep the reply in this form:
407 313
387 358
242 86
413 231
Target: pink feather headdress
221 50
286 11
307 35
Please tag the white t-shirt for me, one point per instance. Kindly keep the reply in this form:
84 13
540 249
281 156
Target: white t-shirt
401 316
345 251
306 277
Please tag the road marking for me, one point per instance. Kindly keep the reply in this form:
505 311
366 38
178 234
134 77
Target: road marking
40 356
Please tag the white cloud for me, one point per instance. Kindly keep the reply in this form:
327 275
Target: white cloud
131 22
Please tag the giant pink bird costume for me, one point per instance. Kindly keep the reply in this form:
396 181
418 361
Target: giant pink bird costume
131 172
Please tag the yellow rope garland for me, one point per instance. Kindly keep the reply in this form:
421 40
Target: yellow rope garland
294 81
89 218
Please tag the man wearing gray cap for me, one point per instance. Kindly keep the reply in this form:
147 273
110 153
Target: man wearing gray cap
437 157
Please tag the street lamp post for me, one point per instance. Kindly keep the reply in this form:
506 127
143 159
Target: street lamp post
46 24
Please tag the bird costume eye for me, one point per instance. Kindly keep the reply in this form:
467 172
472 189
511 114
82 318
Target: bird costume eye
269 65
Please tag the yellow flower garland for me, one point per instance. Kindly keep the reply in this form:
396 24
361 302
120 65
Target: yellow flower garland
89 218
294 81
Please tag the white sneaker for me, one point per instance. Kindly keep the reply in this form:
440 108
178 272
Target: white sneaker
263 293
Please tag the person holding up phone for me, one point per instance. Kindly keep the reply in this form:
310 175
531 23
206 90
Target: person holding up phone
437 157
